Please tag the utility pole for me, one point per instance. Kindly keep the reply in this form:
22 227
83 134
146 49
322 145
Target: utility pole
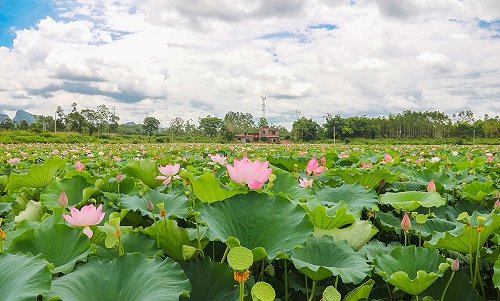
334 134
55 122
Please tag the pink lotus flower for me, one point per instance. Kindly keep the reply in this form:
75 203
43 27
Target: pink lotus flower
87 216
254 174
419 160
63 200
366 164
322 161
303 183
168 171
79 166
455 265
431 187
497 205
13 160
313 167
405 223
387 158
343 155
217 159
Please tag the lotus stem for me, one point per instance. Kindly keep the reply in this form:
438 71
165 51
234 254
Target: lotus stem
1 245
197 232
313 291
307 288
336 281
261 276
225 254
447 285
419 235
242 290
478 272
286 280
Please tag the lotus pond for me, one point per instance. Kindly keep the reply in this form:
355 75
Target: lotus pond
249 222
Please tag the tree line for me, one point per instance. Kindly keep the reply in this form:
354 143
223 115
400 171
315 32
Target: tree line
407 124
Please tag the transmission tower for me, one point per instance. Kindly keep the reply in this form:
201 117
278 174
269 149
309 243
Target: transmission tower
263 107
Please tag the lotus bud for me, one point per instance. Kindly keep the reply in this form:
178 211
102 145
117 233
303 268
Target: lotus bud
149 205
79 166
455 265
322 161
63 200
387 157
381 183
405 223
431 187
497 205
119 178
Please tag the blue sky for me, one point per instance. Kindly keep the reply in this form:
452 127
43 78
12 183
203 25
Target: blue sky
21 14
169 58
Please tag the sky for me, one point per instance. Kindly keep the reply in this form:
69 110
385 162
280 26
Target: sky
193 58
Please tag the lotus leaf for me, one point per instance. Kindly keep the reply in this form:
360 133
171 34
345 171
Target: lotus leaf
253 220
128 278
210 281
322 257
23 277
145 170
355 196
463 238
61 245
37 176
356 235
410 269
411 200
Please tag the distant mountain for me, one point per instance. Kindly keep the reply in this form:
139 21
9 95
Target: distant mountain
3 116
23 115
130 123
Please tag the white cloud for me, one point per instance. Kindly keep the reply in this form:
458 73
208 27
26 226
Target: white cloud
172 58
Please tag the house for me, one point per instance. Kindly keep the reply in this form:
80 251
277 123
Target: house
265 134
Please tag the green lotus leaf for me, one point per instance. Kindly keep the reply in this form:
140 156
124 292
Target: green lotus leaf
32 212
331 294
127 185
174 204
329 218
23 277
496 273
476 191
61 245
355 196
252 219
172 237
322 257
288 163
286 184
129 277
463 237
263 291
410 269
131 242
73 188
440 178
145 170
207 188
411 200
210 281
365 177
240 258
356 235
373 247
38 176
362 292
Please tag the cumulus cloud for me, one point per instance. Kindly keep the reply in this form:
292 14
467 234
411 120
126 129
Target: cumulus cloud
173 58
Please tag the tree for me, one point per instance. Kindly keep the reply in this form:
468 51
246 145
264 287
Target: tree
237 122
262 123
7 123
176 127
211 125
305 129
75 120
103 118
60 119
91 120
151 125
23 125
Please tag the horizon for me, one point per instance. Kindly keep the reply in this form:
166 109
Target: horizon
168 59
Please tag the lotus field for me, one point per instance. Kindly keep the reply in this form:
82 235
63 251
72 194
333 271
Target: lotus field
249 222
